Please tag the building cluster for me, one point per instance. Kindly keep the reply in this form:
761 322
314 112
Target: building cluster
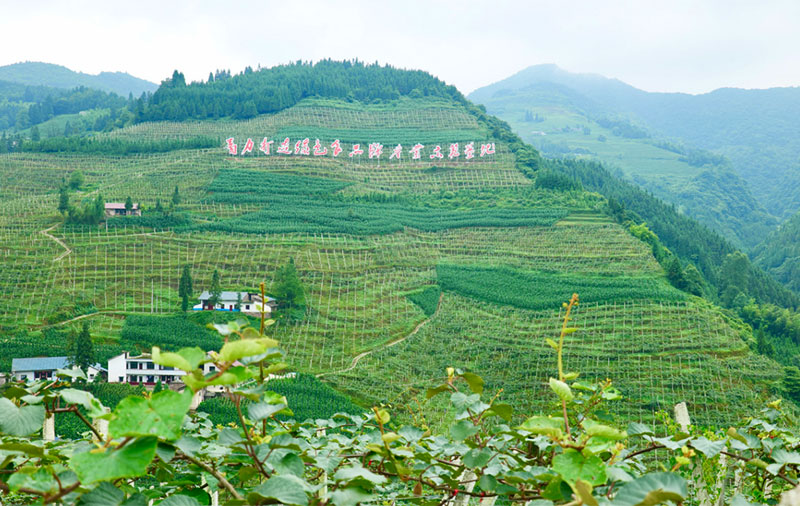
140 369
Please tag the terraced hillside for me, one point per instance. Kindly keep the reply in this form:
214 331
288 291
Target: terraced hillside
367 237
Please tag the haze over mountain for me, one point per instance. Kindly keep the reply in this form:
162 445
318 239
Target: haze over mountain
57 76
728 158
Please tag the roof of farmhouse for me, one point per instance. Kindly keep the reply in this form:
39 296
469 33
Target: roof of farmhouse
119 205
43 364
233 296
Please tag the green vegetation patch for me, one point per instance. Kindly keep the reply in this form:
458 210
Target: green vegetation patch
309 398
427 299
167 332
287 214
542 290
251 186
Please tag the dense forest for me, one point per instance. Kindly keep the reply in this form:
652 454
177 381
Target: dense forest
260 92
779 254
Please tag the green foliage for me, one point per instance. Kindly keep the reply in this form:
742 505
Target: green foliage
309 399
539 290
297 214
110 146
154 220
427 299
176 197
779 253
791 382
250 186
555 181
277 88
91 213
573 452
76 180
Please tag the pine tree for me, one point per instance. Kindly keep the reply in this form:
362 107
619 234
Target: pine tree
128 205
791 382
288 291
185 288
176 197
159 207
158 388
82 349
763 345
63 200
216 289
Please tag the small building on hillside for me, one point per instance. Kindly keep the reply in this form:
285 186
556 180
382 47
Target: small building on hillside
245 302
30 369
118 209
141 370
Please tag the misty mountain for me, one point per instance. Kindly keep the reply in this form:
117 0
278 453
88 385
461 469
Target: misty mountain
57 76
728 158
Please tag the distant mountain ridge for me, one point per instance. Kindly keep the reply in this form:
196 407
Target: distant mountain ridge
758 129
58 76
728 157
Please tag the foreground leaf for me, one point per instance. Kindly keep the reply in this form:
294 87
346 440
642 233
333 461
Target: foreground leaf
161 416
127 462
652 489
20 421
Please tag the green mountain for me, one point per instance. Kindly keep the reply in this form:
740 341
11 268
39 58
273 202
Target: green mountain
408 265
57 76
727 158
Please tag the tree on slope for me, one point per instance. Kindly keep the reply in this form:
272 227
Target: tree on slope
185 288
288 292
216 289
83 349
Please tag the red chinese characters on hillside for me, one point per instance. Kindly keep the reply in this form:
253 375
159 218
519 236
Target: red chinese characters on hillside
302 147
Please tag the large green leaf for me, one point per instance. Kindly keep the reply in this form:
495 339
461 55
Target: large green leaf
286 489
179 500
127 462
235 350
359 476
462 429
161 416
544 426
351 496
707 447
561 389
20 421
105 494
652 489
83 398
573 466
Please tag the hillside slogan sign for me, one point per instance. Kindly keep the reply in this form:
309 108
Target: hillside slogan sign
374 150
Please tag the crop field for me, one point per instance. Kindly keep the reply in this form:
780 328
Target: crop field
375 243
658 354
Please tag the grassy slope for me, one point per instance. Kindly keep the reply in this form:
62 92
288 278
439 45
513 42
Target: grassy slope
358 285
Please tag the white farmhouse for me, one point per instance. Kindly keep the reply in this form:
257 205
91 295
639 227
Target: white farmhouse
140 369
228 301
30 369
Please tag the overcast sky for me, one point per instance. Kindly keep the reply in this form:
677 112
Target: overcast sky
667 45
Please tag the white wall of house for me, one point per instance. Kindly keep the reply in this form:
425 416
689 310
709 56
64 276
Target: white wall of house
127 368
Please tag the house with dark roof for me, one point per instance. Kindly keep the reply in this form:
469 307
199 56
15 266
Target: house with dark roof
245 302
30 369
118 209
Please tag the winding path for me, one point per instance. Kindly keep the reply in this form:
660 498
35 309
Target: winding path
46 232
358 357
